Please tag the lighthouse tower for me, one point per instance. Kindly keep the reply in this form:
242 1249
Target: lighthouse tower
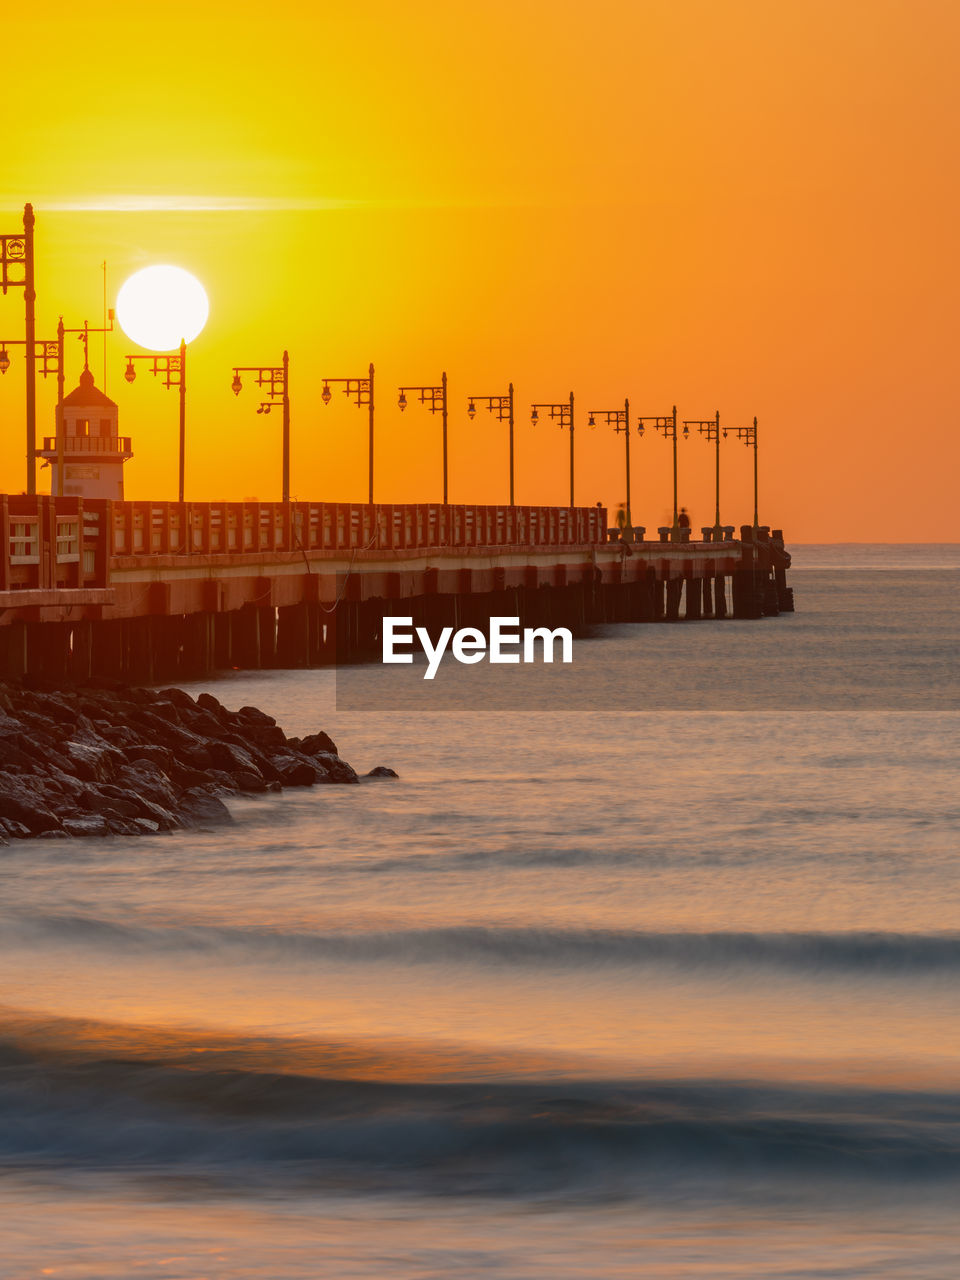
92 450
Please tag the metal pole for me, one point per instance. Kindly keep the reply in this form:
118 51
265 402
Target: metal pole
676 524
443 383
716 523
756 518
286 427
183 412
510 393
626 436
370 442
105 327
30 333
61 443
571 450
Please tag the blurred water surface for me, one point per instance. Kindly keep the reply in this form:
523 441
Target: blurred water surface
585 993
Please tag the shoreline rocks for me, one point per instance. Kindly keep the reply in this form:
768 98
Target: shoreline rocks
110 759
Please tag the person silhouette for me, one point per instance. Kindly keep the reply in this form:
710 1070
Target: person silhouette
683 520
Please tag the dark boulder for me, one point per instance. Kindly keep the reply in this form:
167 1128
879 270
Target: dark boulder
381 771
247 780
255 715
20 804
198 807
91 824
333 769
296 773
315 743
230 758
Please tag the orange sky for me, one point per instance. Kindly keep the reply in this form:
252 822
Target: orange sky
727 204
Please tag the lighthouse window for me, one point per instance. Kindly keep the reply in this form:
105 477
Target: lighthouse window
83 426
106 426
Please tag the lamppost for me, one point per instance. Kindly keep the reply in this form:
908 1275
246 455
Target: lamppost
563 412
276 380
666 424
16 272
749 437
710 427
173 370
435 398
502 406
360 390
619 419
49 353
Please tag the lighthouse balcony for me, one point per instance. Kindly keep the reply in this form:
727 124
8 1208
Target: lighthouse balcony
116 446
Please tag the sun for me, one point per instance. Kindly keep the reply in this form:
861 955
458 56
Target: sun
162 306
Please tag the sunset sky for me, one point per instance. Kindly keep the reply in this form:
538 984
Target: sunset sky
724 204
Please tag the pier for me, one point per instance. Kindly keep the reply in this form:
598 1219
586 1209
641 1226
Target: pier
158 591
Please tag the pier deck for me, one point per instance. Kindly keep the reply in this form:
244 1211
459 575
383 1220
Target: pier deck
145 590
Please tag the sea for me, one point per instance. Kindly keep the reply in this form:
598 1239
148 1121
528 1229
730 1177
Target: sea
661 981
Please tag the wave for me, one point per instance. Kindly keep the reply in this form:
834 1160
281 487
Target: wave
63 1109
883 953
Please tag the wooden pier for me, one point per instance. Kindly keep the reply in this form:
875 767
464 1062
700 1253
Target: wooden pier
156 591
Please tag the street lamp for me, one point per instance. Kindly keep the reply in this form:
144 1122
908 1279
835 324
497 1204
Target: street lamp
666 424
710 428
749 437
360 390
563 413
502 406
435 398
49 354
16 272
276 380
173 370
619 419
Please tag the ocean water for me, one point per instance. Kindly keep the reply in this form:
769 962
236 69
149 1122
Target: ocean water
586 993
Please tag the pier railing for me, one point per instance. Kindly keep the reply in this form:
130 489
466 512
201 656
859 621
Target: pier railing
70 542
212 528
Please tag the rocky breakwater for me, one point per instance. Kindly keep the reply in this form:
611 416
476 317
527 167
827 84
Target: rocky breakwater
96 761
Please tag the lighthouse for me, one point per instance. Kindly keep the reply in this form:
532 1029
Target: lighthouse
93 452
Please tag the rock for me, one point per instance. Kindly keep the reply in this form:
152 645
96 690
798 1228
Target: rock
113 760
22 805
148 781
178 697
12 756
159 756
16 829
296 773
93 762
93 824
257 716
333 769
164 818
230 758
198 807
381 771
268 737
248 781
